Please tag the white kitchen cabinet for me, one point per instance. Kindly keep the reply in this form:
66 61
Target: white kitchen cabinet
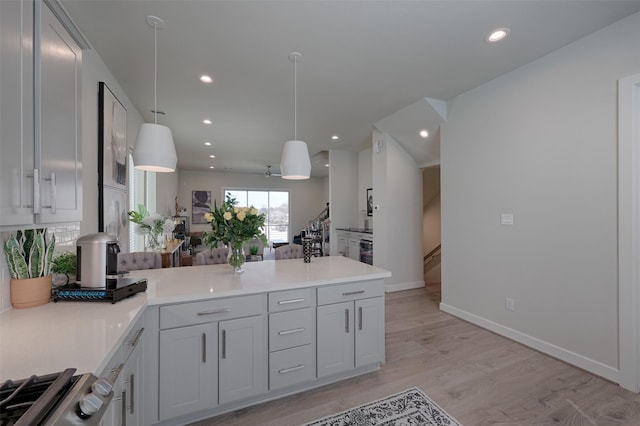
40 117
124 371
211 353
350 330
242 362
354 249
343 244
188 370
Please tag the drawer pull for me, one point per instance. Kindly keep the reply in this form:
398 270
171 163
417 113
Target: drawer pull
215 311
291 369
295 330
134 342
286 302
351 293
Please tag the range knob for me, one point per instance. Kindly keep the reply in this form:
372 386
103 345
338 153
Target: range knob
101 387
89 405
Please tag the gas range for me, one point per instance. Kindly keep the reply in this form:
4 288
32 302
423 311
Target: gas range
54 399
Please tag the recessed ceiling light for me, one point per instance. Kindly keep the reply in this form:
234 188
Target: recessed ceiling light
212 156
497 35
335 137
206 121
206 79
326 165
424 133
211 167
207 143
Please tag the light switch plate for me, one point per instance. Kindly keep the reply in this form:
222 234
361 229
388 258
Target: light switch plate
506 219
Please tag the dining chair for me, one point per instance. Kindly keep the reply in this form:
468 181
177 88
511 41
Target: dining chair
289 251
212 257
139 260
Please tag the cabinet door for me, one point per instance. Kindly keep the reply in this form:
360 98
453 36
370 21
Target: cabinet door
354 249
243 358
369 330
188 370
58 96
131 378
335 338
16 113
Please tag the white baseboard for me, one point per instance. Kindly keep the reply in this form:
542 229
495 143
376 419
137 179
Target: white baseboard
390 288
565 355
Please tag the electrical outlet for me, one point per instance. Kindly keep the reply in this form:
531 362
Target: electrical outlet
509 304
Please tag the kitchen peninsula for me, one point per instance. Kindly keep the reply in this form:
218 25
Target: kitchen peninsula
211 341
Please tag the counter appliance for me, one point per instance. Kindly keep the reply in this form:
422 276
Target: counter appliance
97 262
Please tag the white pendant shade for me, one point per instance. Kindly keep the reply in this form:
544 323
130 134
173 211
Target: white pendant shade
295 163
154 150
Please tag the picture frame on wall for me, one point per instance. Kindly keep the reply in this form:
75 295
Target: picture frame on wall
369 201
200 202
112 163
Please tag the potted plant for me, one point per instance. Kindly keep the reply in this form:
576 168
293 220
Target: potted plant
65 264
29 254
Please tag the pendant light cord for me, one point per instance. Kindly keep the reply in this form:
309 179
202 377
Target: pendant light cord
155 73
295 98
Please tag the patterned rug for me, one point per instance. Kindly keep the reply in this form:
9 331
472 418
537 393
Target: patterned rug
411 407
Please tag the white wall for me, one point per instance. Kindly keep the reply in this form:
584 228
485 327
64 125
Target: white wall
540 142
307 196
397 183
430 209
365 180
343 192
94 71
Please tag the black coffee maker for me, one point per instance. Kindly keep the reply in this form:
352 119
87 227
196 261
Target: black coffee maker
97 260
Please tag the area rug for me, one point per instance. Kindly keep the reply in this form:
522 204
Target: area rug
411 407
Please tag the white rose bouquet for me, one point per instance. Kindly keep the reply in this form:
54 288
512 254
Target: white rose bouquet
152 224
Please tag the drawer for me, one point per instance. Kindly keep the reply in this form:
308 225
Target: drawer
353 291
184 314
290 299
290 328
291 366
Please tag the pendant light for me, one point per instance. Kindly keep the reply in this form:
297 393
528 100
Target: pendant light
154 150
295 163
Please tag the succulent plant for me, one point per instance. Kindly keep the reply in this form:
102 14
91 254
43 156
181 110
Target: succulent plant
29 254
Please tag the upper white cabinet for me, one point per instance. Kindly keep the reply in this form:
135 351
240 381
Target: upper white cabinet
40 117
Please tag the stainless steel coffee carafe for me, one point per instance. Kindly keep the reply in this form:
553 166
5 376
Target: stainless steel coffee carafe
97 259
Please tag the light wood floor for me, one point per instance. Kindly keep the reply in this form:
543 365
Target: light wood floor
478 377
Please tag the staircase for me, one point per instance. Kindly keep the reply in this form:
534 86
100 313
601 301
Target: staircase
432 259
318 230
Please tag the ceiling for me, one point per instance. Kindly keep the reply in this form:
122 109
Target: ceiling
364 62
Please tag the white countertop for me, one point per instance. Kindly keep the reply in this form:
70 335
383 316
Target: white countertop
84 336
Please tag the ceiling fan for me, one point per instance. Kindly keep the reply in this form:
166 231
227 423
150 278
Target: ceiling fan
268 172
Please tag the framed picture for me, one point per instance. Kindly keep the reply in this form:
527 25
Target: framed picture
200 202
370 202
112 140
115 213
112 163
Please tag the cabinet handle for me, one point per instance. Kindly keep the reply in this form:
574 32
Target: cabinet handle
360 318
291 369
295 330
131 392
215 311
52 179
351 293
123 411
204 348
116 372
286 302
36 191
134 342
346 320
224 344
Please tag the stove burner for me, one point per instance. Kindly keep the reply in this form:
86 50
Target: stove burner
29 401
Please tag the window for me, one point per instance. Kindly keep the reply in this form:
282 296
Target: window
273 204
136 188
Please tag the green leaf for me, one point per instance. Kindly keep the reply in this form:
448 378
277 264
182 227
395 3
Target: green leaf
37 256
